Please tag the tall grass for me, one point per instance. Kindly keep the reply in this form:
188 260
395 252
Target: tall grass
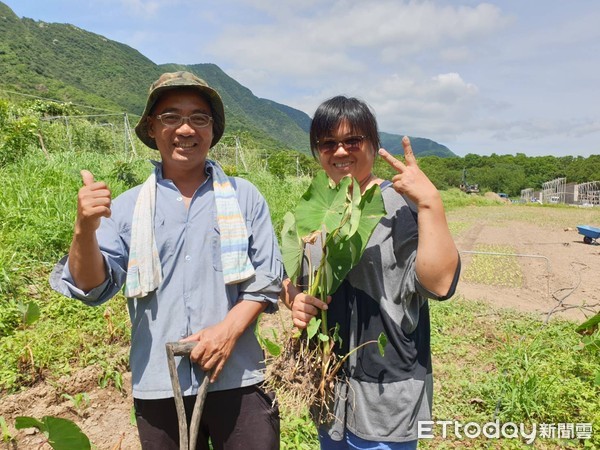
455 198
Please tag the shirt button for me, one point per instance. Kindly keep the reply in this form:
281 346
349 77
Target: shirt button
188 257
180 198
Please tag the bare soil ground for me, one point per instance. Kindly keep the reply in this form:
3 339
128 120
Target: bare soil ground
559 272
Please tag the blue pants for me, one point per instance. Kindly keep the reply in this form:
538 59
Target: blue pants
353 442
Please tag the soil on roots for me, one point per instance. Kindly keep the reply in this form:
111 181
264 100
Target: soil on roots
296 375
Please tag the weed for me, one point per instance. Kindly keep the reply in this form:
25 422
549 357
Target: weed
7 436
298 431
510 367
80 402
111 377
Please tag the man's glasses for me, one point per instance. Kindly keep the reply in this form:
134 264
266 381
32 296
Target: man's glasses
331 145
173 120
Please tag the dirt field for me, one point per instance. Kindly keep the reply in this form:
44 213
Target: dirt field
558 275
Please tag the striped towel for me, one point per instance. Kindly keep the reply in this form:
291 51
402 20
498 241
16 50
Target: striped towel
144 273
234 235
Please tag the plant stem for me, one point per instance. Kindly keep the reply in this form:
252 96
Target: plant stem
343 360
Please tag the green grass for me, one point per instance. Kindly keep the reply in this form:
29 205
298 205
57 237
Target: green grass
499 364
455 198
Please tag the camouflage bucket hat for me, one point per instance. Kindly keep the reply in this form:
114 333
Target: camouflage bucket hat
175 80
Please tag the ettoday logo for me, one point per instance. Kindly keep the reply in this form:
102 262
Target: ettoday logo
495 430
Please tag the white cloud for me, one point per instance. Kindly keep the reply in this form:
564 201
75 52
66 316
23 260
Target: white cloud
372 50
456 54
146 8
379 32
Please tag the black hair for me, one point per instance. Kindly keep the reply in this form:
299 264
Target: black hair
331 113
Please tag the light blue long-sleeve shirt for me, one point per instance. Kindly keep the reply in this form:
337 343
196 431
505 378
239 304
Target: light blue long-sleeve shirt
193 295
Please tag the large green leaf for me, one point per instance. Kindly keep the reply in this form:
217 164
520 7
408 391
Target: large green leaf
354 199
338 264
23 422
63 434
345 252
372 210
291 246
321 205
346 220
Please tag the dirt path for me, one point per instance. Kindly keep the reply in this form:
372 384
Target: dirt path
554 263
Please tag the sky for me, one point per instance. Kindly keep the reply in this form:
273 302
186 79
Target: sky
503 77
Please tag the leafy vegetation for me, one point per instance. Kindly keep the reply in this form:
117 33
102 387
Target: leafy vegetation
62 61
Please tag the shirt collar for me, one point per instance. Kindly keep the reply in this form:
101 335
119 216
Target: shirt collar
159 175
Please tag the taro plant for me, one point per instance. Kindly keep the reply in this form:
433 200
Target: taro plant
30 312
335 221
60 434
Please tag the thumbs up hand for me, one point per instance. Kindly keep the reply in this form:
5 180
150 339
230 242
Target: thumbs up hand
93 202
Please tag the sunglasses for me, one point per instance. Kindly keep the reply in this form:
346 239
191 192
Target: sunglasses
331 145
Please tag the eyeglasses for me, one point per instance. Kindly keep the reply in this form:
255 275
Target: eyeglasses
331 145
173 120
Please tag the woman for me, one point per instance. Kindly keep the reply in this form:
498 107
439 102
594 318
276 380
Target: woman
410 257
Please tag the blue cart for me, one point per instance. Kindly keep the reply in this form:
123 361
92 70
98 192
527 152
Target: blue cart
590 234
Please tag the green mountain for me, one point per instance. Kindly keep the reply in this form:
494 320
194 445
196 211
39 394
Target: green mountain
66 63
421 146
302 119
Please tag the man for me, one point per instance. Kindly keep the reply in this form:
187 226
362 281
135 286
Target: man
199 260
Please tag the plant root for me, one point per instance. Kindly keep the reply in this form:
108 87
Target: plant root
296 375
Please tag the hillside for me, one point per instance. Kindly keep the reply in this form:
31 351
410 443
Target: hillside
421 146
64 62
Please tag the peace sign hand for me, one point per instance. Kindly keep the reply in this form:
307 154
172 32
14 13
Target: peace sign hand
410 180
